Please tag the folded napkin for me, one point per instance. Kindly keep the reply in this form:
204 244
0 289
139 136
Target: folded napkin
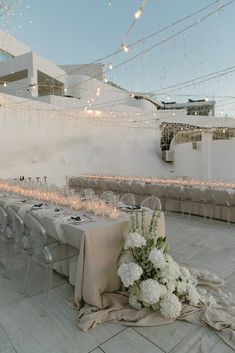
76 218
38 205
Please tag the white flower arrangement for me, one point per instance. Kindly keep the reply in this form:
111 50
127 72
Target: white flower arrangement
152 277
134 240
129 273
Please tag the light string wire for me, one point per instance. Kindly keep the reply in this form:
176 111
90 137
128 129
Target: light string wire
140 40
194 24
123 46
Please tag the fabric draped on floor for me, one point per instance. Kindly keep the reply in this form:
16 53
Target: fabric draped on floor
219 315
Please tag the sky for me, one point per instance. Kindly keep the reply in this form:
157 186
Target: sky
82 31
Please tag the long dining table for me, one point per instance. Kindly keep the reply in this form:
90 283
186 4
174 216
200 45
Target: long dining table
99 242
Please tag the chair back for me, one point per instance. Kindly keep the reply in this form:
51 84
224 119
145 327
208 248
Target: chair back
186 193
152 202
3 218
161 190
88 194
222 197
209 195
38 233
197 195
5 233
107 196
128 199
16 224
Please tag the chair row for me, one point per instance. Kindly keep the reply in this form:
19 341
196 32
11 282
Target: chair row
29 238
127 199
206 202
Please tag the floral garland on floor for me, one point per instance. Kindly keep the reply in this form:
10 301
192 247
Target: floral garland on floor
151 275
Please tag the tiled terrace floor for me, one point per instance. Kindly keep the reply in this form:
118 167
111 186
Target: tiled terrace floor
207 245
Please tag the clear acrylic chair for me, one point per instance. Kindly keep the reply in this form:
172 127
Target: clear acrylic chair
45 253
18 240
6 238
224 199
107 196
87 194
186 200
152 202
128 199
203 197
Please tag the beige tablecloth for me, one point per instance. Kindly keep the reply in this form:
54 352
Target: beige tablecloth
100 243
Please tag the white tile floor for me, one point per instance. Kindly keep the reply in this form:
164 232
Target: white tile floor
204 245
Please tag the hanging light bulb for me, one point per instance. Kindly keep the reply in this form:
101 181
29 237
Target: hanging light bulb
105 80
98 91
138 13
110 66
5 84
124 48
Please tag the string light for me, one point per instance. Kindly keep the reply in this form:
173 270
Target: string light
138 13
99 207
98 91
200 10
124 48
164 181
110 66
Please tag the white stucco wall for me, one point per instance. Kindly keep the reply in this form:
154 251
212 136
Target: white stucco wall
214 159
38 140
12 45
109 97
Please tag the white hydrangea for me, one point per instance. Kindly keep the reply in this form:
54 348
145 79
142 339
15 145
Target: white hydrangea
171 271
193 296
129 273
157 258
171 286
181 287
150 291
134 303
170 306
168 258
163 289
185 274
134 240
126 258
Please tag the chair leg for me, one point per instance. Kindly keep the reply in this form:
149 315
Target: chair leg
48 288
27 273
211 214
205 213
9 260
228 217
190 209
182 208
